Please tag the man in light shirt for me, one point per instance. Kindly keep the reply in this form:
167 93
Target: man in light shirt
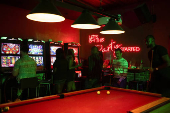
120 69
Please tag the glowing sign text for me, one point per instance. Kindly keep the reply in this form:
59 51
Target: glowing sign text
112 46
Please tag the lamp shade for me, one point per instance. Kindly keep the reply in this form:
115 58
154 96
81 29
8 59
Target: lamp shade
85 21
45 11
112 28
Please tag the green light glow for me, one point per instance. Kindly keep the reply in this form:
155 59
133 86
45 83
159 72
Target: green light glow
3 37
30 40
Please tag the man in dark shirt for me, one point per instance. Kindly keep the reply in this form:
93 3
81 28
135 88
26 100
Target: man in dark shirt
95 68
160 70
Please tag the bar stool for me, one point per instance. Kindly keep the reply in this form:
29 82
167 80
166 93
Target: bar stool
27 83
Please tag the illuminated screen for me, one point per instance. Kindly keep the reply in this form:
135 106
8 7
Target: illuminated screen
75 50
76 60
53 49
53 60
79 73
38 60
35 49
10 48
8 61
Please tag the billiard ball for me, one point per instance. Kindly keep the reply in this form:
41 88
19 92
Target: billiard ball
98 92
108 92
6 109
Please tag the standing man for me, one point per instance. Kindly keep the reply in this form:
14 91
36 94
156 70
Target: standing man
95 68
120 69
160 70
25 67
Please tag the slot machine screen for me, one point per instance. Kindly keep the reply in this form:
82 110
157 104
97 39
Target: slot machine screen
53 49
10 48
79 73
8 61
53 60
76 60
75 50
38 60
35 49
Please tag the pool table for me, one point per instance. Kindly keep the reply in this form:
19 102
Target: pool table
88 101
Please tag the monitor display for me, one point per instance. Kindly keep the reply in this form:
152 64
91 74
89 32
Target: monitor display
79 73
35 49
38 60
10 48
53 49
8 61
76 60
53 60
75 50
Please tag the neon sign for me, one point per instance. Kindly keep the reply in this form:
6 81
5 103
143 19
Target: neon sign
112 46
95 38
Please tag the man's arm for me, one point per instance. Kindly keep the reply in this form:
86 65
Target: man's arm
15 72
166 63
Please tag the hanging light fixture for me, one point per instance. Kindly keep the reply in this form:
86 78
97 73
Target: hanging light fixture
112 28
85 21
45 11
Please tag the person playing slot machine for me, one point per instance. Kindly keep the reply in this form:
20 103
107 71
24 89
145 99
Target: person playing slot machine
71 73
160 70
25 67
120 69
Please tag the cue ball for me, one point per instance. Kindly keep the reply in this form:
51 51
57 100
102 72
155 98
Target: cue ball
98 92
108 92
6 109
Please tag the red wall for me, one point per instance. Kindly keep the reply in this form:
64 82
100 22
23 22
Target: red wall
135 36
13 23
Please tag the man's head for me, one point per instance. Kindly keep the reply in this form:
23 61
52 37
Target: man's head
150 41
94 50
24 50
118 53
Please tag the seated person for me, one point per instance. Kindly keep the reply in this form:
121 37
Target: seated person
25 67
120 69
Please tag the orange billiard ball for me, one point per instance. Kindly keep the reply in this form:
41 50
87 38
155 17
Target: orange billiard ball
108 92
98 92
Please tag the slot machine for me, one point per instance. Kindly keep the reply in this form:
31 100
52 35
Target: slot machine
36 52
10 53
51 48
76 49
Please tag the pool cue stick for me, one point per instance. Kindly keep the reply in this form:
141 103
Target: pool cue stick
150 73
110 69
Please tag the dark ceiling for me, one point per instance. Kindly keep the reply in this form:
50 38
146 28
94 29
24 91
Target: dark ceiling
71 9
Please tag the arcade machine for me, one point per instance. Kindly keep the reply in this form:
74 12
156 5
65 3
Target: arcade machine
36 52
76 48
51 48
9 54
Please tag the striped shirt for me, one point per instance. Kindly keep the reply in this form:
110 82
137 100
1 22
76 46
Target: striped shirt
26 66
120 66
